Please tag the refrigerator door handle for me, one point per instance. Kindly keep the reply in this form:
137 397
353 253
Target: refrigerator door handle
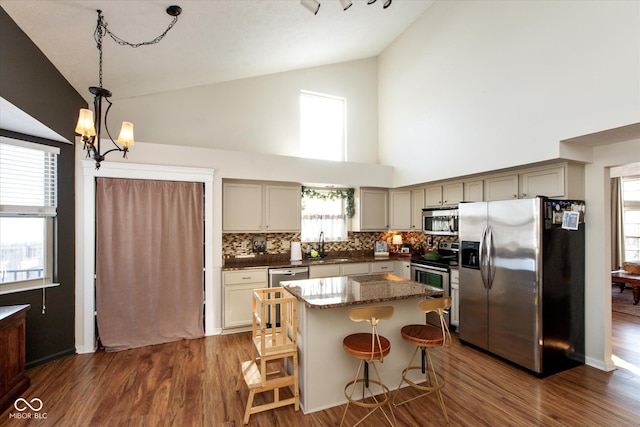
490 260
482 257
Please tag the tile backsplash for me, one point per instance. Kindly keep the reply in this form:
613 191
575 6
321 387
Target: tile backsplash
234 244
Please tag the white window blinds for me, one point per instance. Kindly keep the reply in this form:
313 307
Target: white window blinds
28 183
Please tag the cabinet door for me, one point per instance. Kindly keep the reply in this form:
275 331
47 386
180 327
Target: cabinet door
433 196
417 204
373 210
452 194
282 208
318 271
354 269
474 191
241 207
455 298
403 269
238 305
455 306
400 210
545 182
503 187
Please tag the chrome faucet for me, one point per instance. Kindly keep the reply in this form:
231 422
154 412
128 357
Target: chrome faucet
321 245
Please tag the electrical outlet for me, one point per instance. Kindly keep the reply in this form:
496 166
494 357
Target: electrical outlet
357 241
243 245
286 244
269 245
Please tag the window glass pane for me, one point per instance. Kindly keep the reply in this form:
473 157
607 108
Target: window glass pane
325 216
23 251
631 190
322 127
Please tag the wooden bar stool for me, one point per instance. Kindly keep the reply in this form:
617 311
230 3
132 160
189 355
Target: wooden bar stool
425 337
369 348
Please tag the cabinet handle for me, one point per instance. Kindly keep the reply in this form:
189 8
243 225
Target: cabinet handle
246 278
515 196
524 194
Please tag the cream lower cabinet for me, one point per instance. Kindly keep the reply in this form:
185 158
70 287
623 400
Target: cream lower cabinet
454 312
403 269
318 271
388 267
238 286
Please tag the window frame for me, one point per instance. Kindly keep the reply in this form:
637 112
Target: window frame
49 213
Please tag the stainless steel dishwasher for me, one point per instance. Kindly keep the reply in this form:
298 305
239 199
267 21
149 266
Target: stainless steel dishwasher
277 275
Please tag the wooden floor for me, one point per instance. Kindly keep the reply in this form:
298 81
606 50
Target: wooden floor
191 383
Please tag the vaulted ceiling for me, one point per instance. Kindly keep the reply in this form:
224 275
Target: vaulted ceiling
213 41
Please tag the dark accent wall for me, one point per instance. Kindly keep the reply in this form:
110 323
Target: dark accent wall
29 81
32 83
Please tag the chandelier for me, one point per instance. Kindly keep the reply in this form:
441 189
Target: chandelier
90 126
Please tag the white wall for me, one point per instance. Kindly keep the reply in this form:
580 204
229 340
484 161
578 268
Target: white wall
486 85
260 114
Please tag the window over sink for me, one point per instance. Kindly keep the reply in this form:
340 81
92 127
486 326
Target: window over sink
321 213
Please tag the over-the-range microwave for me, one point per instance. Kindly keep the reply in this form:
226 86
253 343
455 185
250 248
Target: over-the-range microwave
440 221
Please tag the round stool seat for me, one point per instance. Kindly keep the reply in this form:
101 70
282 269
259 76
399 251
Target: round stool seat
359 345
422 335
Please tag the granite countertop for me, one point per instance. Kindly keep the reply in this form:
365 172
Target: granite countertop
267 261
330 292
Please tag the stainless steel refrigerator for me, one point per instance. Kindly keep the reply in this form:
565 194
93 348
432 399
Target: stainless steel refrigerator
522 281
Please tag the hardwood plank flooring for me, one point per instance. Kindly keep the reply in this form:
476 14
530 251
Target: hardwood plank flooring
192 383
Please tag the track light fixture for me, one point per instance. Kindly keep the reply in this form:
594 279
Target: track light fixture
346 4
313 6
90 126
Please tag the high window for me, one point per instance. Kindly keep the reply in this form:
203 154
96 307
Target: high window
28 200
323 213
322 126
631 218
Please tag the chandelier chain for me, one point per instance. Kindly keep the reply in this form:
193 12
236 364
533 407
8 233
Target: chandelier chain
102 29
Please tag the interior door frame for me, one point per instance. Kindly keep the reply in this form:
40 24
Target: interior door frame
85 288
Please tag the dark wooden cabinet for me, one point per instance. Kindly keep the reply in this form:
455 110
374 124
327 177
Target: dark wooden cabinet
13 380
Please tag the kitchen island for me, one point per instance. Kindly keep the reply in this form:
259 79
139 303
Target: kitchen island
323 322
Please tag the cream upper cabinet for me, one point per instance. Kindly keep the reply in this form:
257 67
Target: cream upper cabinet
433 195
282 208
417 204
473 191
502 187
449 194
258 207
400 210
452 194
373 210
547 182
242 207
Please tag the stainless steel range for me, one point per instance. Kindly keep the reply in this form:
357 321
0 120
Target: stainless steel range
433 269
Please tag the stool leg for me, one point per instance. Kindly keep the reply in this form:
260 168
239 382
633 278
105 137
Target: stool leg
349 398
439 391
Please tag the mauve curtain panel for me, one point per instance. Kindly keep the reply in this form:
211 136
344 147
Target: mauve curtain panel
149 262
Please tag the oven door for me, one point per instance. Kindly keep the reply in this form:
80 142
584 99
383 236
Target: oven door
438 277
